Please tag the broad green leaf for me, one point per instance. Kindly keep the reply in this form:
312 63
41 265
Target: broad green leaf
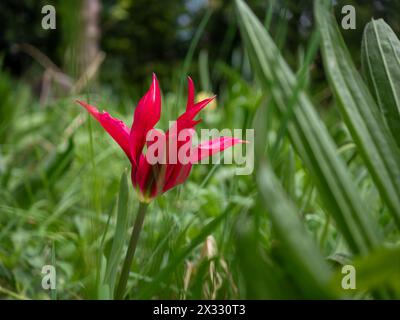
360 112
309 136
261 277
307 266
381 66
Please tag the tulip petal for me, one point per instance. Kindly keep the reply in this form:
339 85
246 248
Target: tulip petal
190 98
186 120
147 114
149 178
176 174
142 177
211 147
116 128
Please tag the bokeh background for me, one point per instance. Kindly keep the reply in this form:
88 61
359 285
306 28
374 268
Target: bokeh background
139 37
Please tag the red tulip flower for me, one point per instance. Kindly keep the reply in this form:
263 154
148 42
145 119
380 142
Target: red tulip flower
154 178
149 179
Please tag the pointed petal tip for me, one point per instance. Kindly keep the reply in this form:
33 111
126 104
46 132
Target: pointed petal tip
190 85
190 96
83 104
154 84
93 110
208 100
201 104
154 79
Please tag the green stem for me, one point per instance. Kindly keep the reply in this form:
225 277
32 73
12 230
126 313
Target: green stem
131 250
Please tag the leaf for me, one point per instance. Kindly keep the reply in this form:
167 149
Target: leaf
53 292
103 289
360 112
261 277
380 57
119 235
379 269
309 136
307 266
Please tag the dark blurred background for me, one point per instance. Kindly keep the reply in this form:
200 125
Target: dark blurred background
142 36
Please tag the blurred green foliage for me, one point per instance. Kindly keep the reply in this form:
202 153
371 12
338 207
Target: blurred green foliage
141 36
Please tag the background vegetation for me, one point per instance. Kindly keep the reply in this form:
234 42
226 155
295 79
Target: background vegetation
325 191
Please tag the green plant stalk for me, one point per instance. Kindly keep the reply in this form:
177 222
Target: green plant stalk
190 53
131 250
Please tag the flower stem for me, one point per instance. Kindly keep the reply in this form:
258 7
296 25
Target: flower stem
131 250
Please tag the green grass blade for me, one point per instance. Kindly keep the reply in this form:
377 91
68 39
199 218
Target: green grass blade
189 56
53 292
119 235
381 66
269 14
360 112
309 136
204 71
